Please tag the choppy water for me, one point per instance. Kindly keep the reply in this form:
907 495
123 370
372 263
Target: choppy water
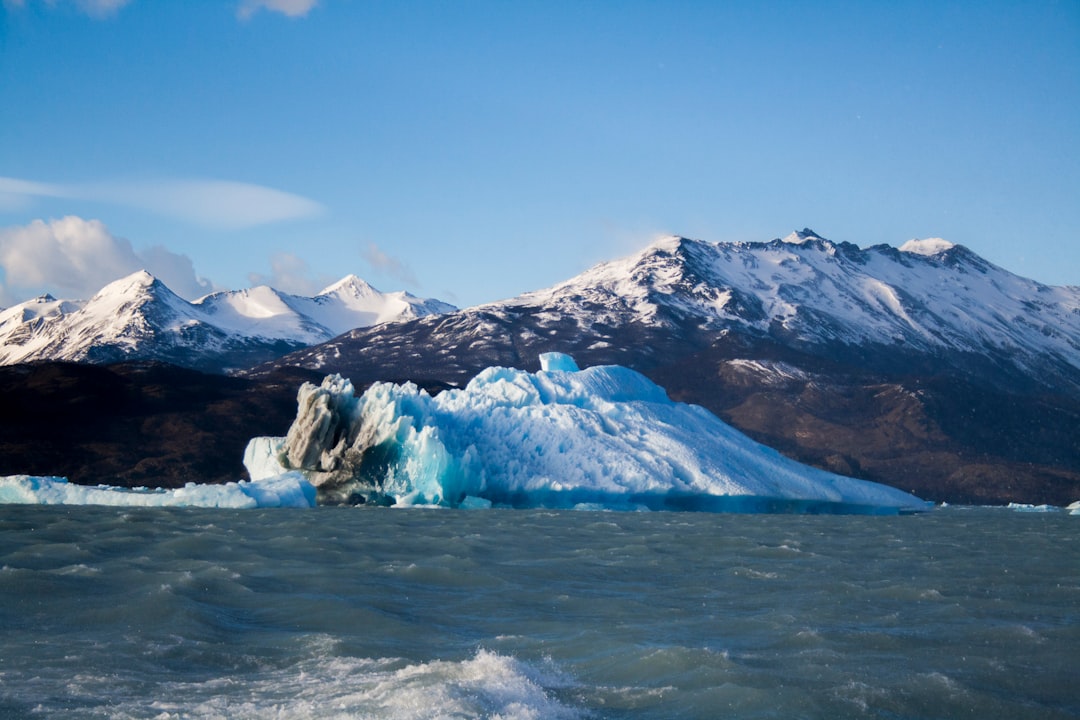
381 613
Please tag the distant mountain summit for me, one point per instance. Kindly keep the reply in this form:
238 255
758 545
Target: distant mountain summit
138 318
929 305
925 366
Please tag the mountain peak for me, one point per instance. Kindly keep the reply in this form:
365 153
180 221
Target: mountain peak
137 281
801 236
352 284
668 242
927 246
142 277
139 317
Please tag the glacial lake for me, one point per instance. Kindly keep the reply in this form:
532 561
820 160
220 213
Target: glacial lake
412 613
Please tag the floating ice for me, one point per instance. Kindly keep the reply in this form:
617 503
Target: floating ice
284 490
1027 507
601 437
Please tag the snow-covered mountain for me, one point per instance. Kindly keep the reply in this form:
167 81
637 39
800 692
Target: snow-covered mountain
929 297
924 366
139 318
929 302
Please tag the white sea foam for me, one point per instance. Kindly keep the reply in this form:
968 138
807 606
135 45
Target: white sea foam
486 685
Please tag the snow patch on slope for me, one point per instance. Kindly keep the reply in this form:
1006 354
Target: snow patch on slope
927 246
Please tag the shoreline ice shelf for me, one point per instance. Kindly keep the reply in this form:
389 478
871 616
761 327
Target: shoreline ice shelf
601 438
286 490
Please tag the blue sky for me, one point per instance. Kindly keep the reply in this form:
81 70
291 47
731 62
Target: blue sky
475 150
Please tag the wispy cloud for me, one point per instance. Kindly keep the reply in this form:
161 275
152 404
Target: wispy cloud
98 9
291 8
388 265
213 203
74 258
221 204
101 8
291 274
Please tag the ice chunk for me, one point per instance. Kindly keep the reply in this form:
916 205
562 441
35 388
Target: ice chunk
603 436
287 490
263 457
557 362
1028 507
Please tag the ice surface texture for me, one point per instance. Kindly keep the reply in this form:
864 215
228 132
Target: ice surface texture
604 437
285 490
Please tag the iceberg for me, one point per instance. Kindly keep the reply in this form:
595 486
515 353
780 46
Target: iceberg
603 437
283 490
1028 507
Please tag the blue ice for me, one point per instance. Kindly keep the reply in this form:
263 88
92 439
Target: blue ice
604 437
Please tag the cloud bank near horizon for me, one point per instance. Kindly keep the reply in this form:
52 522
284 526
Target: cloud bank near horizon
73 258
217 204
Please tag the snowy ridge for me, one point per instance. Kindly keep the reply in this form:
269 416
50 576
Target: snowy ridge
138 317
349 303
121 315
927 296
929 307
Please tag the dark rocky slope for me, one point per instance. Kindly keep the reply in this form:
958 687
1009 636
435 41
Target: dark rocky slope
137 424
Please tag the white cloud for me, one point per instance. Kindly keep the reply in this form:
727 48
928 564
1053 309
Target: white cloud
211 203
176 271
73 258
291 8
388 265
291 274
222 204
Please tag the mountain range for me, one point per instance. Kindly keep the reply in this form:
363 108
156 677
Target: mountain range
924 367
929 306
138 318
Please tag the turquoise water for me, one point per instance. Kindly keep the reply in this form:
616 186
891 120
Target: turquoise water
388 613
